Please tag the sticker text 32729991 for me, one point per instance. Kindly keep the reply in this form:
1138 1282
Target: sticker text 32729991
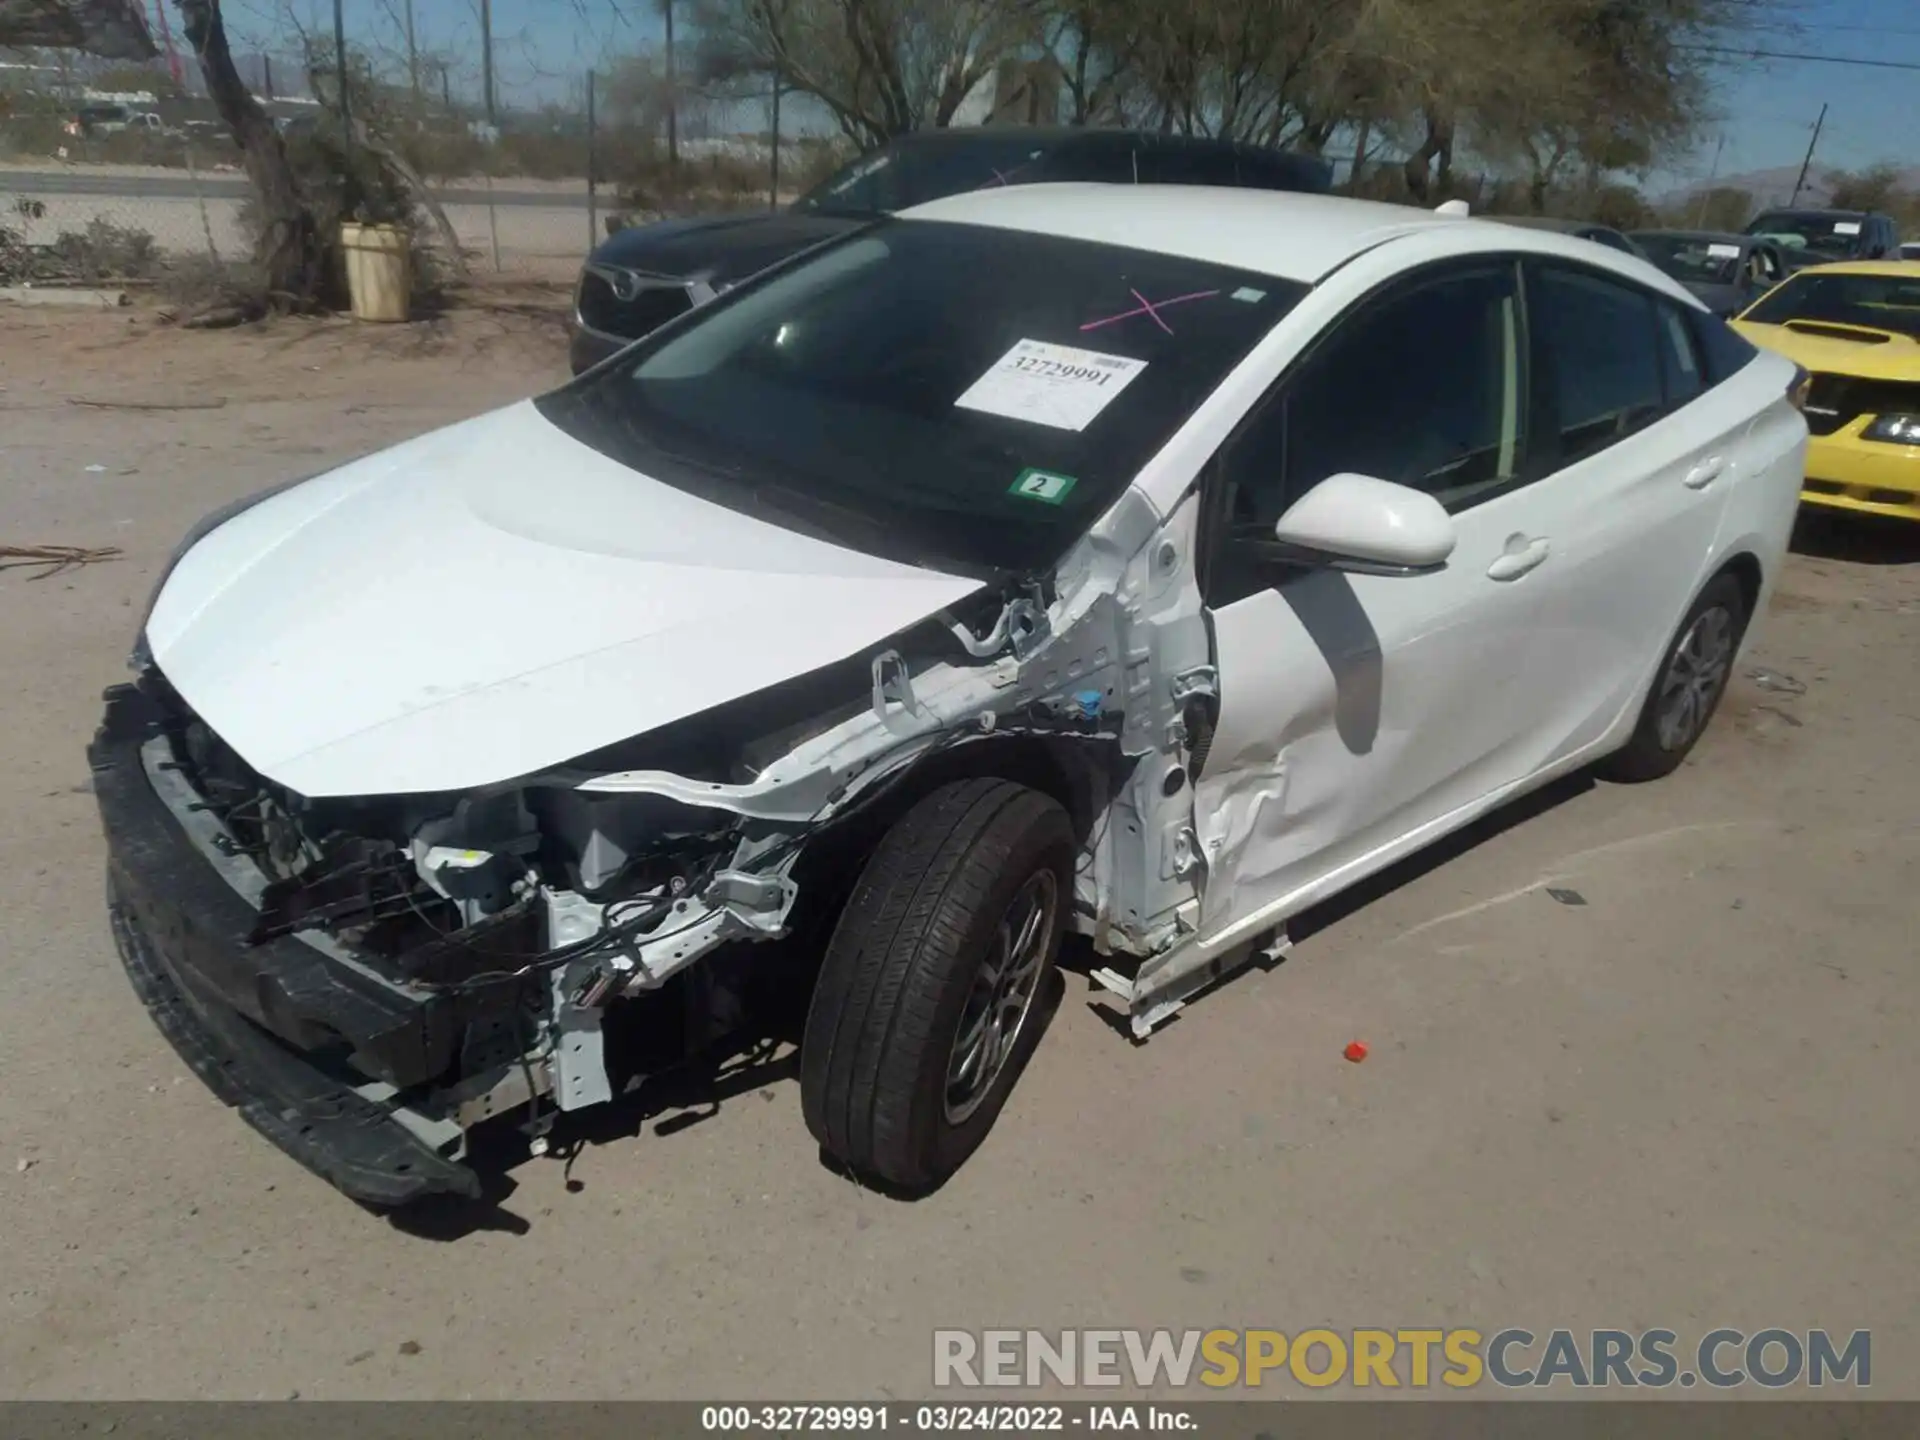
1060 386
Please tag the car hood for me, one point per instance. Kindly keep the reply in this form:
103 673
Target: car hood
494 599
719 248
1895 358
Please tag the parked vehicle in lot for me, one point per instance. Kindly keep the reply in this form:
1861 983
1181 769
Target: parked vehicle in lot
1910 249
642 277
1726 272
1821 237
113 120
1141 564
1580 229
1856 330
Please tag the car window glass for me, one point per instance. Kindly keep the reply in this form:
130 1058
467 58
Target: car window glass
1679 363
1104 159
1861 302
907 175
960 396
1722 352
1187 164
1363 403
1597 344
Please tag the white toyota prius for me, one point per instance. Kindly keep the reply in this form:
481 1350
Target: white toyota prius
1140 564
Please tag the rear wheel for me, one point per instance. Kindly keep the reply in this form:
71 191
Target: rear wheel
934 988
1692 679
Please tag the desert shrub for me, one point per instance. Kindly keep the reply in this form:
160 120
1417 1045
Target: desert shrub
106 250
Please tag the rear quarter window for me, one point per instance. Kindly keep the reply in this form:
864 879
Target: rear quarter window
1723 354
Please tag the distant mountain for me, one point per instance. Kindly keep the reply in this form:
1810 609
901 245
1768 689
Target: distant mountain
1775 186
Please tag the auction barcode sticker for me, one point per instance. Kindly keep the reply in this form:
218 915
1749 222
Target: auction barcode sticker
1048 384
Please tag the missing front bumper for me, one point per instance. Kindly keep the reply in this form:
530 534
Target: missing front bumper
269 1028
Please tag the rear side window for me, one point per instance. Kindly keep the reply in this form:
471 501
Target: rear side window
1723 354
1679 362
1598 348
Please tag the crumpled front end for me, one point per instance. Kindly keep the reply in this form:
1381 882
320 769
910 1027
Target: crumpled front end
369 976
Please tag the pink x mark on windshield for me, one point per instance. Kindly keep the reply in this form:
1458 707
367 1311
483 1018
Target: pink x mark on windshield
1149 308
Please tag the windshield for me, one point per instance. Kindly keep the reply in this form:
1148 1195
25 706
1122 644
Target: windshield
1692 260
1878 302
956 396
905 175
1821 234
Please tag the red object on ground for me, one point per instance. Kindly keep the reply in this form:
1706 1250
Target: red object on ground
1356 1051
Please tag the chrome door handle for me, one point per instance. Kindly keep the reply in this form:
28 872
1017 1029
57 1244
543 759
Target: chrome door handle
1705 473
1515 563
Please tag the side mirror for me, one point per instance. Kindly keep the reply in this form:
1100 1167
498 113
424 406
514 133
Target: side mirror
1368 526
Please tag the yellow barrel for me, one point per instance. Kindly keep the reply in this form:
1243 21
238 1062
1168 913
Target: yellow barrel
378 275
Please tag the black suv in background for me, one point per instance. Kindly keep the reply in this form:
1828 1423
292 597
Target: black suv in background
1819 237
641 278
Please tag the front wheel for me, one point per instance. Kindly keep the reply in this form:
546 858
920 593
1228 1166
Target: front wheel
1692 679
933 990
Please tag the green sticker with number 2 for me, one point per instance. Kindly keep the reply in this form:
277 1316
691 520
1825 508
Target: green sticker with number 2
1042 485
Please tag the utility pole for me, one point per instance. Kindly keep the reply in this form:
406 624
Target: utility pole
773 190
340 60
1700 211
166 39
266 75
486 57
593 218
1804 164
673 86
413 58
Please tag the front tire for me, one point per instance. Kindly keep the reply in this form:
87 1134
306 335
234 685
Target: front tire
933 991
1688 687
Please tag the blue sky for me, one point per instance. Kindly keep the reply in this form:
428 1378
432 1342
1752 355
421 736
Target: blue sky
1767 107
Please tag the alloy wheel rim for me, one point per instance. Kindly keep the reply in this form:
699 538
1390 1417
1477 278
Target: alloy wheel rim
1694 678
1001 996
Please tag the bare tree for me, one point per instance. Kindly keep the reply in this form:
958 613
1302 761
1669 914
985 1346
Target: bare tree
881 67
289 251
1876 188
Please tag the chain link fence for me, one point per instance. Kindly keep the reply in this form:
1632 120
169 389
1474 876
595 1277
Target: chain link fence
131 177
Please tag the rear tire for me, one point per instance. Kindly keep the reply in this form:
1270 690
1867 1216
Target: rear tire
935 984
1687 688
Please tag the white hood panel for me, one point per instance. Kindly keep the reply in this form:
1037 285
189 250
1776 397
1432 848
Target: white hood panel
495 598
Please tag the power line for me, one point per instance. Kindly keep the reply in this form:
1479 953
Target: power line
1742 53
1796 27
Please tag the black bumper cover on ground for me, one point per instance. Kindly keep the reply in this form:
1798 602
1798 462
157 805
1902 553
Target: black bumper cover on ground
241 1014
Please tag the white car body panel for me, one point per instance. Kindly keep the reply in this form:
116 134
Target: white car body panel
497 598
1386 256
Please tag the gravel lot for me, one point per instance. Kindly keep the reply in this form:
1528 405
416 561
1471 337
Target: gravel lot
1687 1102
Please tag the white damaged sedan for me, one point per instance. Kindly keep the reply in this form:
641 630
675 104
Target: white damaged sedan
1138 564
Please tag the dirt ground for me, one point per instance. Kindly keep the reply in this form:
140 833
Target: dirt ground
1687 1102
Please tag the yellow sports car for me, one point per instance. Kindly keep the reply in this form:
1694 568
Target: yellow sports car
1855 328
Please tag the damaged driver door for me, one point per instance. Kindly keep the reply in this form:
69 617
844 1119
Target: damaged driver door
1356 710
